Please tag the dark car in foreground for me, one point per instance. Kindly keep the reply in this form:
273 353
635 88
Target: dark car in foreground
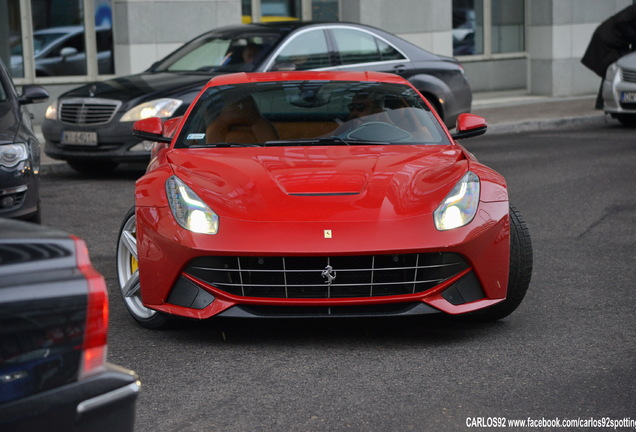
90 127
19 150
53 337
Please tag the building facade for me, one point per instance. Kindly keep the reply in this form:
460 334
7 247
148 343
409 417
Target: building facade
527 46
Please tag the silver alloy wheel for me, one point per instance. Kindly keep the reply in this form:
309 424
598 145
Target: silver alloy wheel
128 271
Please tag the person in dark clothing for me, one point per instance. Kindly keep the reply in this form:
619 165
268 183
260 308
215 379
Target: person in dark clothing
612 39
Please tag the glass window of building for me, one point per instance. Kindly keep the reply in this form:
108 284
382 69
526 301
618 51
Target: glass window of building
11 37
507 26
281 10
487 27
61 46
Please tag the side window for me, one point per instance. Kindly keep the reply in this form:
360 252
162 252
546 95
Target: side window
306 51
388 52
356 46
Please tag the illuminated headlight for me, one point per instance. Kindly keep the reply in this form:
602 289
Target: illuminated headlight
162 108
51 111
460 205
189 210
13 154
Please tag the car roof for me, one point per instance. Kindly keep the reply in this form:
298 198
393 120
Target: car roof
283 26
244 77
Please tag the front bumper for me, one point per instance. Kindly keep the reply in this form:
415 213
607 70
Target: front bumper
99 403
167 253
612 96
19 191
115 142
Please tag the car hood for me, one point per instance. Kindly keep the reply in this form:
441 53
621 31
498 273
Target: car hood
321 183
133 89
628 61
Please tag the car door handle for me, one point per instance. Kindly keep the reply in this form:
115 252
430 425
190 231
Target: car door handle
399 69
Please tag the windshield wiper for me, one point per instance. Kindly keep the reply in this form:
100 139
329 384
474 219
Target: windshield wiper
334 140
224 144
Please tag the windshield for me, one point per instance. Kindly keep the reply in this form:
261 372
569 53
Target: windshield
220 53
310 113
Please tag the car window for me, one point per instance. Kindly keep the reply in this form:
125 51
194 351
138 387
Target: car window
305 51
355 47
219 53
310 113
388 52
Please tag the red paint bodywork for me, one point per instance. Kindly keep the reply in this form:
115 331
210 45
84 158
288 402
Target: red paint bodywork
274 201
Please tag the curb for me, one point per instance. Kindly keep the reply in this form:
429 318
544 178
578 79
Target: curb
547 124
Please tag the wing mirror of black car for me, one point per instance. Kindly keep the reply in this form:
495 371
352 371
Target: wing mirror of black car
33 94
151 129
469 125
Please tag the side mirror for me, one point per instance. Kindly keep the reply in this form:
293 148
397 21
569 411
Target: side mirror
151 129
469 125
68 51
33 94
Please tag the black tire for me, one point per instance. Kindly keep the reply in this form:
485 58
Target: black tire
93 168
126 270
520 271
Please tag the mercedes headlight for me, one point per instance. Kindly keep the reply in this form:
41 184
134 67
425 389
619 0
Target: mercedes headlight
51 111
612 72
162 108
13 154
460 205
189 210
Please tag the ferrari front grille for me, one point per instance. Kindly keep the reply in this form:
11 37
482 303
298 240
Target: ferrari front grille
629 75
87 111
326 276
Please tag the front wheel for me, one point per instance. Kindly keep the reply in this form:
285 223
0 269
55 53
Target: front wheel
128 275
519 274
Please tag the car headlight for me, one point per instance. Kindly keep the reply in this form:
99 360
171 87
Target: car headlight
460 205
51 111
189 210
611 72
162 108
13 154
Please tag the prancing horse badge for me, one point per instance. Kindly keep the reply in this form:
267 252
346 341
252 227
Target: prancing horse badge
327 233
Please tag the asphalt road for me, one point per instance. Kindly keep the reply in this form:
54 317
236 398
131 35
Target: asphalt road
568 352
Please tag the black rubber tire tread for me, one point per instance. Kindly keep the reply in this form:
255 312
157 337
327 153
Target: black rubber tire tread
520 271
160 320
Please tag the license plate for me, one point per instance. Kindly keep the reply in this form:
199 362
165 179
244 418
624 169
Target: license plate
79 138
628 97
